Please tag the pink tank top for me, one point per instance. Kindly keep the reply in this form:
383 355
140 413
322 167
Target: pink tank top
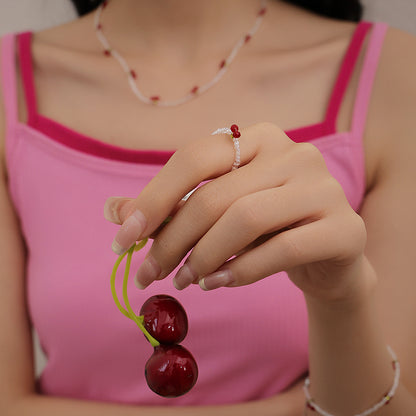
249 342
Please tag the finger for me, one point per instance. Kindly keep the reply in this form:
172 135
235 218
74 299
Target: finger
325 239
198 215
209 203
245 221
168 219
114 207
200 160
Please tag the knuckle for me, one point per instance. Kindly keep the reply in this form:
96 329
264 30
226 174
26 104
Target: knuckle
202 262
190 155
208 201
357 233
268 127
334 189
350 234
325 193
307 152
165 252
290 250
269 131
247 210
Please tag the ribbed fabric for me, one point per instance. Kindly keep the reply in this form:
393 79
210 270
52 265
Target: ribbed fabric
249 342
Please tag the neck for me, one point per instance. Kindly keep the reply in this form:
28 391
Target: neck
187 29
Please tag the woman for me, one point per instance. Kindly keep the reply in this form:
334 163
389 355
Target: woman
280 210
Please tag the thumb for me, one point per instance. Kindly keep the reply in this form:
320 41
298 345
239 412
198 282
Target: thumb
116 209
122 211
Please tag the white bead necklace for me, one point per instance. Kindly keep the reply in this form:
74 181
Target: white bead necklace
196 90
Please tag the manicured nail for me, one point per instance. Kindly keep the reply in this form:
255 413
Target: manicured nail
129 232
117 248
184 277
147 273
138 284
111 209
216 280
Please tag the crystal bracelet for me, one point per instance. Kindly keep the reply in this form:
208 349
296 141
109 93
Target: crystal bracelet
310 403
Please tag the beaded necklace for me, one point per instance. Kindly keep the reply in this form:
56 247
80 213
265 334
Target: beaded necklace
197 89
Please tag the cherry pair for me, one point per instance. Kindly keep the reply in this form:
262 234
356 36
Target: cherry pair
171 371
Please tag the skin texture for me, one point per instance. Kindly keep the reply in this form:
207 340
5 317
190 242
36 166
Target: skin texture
296 54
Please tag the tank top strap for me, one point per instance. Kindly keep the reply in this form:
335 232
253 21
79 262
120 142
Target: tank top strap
367 77
8 82
345 73
26 69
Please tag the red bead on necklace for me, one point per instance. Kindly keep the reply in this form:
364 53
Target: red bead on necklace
196 90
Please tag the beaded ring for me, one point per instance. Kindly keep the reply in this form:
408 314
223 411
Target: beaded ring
311 405
235 135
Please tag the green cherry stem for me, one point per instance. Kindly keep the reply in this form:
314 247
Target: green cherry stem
139 322
129 312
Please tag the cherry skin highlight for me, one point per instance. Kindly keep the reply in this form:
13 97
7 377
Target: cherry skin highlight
171 371
165 319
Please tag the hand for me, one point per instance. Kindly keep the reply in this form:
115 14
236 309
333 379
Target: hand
281 210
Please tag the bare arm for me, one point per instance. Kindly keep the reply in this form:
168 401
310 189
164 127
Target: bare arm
347 343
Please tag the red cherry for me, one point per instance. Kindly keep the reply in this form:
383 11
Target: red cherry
165 319
237 134
171 371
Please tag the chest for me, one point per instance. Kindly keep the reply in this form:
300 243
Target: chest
291 90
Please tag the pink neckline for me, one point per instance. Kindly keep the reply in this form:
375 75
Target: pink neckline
90 145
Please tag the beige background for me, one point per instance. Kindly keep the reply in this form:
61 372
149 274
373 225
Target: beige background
18 15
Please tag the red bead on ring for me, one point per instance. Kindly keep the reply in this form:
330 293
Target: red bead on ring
235 134
234 130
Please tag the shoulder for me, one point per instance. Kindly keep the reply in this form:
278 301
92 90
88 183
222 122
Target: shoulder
292 28
390 133
395 81
67 51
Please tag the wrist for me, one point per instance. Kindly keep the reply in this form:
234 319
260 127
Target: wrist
355 290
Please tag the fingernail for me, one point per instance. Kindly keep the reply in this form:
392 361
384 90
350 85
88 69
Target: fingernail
129 232
147 273
138 284
111 211
216 280
184 277
117 248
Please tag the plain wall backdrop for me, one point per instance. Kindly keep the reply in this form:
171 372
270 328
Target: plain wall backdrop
19 15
